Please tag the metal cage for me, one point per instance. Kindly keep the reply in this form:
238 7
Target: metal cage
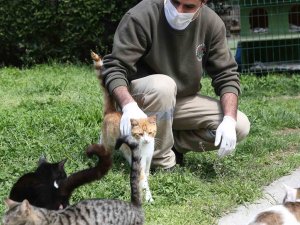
264 35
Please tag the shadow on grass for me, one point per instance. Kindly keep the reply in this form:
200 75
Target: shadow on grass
203 170
208 167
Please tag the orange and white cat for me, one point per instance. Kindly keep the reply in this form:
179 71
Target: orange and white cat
287 213
143 130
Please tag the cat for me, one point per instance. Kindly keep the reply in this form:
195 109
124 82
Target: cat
88 212
49 187
41 186
287 213
143 130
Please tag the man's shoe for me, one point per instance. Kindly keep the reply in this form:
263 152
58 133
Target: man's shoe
179 161
178 156
167 170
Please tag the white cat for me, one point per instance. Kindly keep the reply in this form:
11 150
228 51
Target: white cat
288 213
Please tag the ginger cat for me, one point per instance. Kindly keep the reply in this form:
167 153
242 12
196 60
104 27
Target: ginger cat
143 131
287 213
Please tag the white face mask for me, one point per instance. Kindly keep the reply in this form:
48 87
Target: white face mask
178 21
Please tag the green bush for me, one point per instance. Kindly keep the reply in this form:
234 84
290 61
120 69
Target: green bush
34 31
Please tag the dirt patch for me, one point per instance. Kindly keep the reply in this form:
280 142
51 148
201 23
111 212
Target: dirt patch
288 131
286 97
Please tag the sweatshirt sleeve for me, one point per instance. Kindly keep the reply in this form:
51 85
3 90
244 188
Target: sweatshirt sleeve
128 47
220 64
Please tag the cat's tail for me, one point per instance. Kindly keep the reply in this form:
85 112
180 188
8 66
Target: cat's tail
98 63
132 144
104 159
135 167
109 103
91 174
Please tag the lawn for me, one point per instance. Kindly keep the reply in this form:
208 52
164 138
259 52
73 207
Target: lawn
56 110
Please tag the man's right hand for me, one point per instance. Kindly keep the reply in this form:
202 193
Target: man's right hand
130 111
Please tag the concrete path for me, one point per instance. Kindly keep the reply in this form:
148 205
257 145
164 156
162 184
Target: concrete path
273 194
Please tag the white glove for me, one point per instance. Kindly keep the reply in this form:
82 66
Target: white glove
226 130
130 111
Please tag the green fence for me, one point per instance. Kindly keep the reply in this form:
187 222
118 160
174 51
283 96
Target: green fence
264 35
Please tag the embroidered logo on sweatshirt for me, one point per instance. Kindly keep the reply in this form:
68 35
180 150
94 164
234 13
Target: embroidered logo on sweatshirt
200 51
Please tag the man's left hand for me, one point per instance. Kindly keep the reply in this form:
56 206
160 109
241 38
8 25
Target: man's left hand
226 135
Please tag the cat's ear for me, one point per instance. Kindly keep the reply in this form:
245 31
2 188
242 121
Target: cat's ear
290 194
42 160
25 207
61 164
152 119
9 203
134 122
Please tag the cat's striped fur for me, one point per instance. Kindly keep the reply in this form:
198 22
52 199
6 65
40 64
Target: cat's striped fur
86 212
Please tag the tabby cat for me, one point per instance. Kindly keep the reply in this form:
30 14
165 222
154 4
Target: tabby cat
143 130
88 212
49 187
287 213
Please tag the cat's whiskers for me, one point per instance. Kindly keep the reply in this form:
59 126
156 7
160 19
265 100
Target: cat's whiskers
146 139
55 184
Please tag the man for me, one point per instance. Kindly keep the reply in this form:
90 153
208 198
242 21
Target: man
161 49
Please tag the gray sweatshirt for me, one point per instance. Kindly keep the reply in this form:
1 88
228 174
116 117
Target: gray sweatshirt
145 44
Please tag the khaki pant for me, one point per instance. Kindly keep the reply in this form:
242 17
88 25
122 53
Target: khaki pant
188 123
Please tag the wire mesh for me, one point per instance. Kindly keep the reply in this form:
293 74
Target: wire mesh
263 35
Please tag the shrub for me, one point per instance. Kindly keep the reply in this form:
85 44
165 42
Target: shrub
34 31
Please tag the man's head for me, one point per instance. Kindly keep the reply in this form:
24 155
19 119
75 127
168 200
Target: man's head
180 13
187 6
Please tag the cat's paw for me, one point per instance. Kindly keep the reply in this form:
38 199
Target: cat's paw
147 193
150 200
148 197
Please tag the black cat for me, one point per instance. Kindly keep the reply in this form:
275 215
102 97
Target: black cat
49 187
89 211
41 186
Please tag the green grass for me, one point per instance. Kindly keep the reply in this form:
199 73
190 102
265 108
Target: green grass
56 110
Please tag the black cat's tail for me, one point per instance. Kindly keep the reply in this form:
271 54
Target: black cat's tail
135 168
104 159
91 174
